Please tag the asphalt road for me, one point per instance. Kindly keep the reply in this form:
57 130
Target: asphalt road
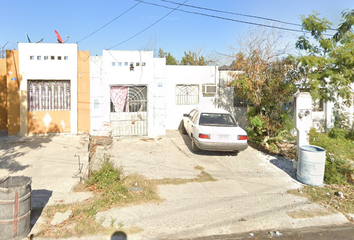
343 232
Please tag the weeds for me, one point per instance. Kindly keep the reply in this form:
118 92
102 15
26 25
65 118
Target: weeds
333 197
111 189
339 156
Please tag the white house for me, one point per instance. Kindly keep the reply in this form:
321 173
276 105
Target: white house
133 93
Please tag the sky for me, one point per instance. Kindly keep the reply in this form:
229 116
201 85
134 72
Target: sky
97 25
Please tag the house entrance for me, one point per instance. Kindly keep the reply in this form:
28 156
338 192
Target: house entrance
128 115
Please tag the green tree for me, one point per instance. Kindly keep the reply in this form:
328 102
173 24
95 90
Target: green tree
170 60
261 77
193 58
161 53
327 67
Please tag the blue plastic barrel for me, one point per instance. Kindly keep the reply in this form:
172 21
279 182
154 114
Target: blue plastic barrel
311 165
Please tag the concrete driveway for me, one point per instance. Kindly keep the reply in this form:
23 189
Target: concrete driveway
250 193
51 161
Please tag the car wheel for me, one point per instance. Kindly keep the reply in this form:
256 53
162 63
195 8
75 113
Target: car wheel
194 147
184 131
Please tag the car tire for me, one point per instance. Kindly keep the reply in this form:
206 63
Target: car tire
184 131
194 146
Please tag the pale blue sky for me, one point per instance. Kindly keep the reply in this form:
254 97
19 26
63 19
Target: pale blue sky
176 33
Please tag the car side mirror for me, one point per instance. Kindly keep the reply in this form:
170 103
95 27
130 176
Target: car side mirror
185 115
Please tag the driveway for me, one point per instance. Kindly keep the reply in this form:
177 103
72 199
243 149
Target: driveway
51 161
250 193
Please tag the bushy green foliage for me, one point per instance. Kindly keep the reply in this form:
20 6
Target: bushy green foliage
256 127
337 133
327 68
339 155
105 176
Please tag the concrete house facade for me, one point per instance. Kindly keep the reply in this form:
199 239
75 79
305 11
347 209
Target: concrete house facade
45 89
133 93
54 88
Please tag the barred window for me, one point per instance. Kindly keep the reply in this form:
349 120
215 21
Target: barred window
49 95
128 98
187 94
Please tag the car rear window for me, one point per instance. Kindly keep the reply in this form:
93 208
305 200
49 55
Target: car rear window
217 119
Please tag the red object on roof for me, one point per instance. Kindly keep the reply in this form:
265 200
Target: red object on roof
58 36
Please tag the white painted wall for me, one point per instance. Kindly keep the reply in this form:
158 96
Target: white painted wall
121 75
193 75
48 70
111 69
96 93
158 89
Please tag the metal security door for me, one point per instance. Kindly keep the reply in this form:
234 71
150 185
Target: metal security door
128 115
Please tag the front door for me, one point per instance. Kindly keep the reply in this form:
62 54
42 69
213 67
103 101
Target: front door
128 114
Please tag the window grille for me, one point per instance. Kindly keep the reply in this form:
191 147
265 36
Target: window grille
128 98
187 94
49 95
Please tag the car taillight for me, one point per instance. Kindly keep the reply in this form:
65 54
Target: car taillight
242 137
204 136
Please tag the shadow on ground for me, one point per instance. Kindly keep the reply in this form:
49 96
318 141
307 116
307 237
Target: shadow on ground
285 165
12 148
39 199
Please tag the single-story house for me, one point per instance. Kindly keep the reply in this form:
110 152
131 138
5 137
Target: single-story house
54 88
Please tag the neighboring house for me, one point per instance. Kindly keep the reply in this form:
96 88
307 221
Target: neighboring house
47 89
133 93
322 112
239 104
54 88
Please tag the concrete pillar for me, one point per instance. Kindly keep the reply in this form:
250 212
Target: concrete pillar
303 119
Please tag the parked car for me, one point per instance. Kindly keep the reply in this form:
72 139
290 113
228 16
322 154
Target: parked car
214 130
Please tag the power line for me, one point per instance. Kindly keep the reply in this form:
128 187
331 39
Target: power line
233 13
110 22
225 18
241 14
173 9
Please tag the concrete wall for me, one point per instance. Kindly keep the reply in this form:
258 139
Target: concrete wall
60 65
158 89
83 86
114 68
3 96
121 75
223 98
14 79
96 93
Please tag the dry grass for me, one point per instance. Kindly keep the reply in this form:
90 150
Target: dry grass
202 177
308 214
329 196
132 190
150 139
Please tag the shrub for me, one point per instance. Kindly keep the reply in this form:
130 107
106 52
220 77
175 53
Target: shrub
339 166
337 133
105 176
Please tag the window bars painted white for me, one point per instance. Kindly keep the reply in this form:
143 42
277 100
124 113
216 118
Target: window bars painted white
44 95
128 98
187 94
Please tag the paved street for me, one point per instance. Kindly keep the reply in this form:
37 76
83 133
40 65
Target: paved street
343 232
